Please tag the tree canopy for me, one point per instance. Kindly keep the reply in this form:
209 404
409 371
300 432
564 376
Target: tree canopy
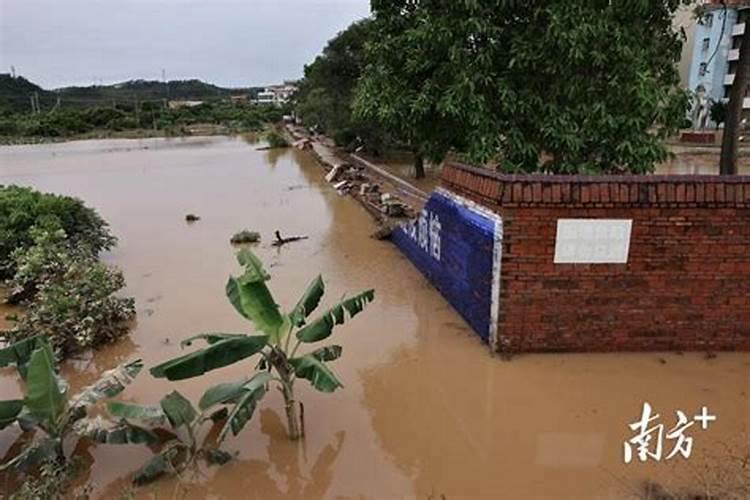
564 86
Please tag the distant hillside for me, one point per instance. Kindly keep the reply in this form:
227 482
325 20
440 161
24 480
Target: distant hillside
15 93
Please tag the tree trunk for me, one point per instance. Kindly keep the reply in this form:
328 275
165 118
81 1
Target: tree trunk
292 419
730 142
418 166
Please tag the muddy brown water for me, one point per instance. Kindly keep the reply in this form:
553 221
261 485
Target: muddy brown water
425 410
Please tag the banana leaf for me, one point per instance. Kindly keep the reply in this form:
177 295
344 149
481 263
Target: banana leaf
327 353
221 393
251 298
156 466
19 353
148 415
322 327
320 376
9 411
44 400
210 338
243 411
104 431
178 409
110 384
218 355
308 302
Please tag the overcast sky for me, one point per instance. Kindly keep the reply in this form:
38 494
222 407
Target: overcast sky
228 42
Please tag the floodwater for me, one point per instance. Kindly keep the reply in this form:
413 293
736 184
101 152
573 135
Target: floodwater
426 412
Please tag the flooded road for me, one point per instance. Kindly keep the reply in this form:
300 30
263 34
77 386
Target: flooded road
425 410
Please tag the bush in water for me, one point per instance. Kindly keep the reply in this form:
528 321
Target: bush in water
73 302
22 209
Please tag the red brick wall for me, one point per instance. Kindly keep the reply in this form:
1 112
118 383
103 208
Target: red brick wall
686 285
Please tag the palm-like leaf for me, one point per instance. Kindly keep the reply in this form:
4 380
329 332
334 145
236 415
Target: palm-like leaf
242 412
221 393
9 411
178 409
107 432
217 355
251 298
147 415
320 376
308 302
209 338
322 327
327 353
44 400
19 353
110 384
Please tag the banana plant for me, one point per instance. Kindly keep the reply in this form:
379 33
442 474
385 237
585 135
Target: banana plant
48 409
279 337
179 423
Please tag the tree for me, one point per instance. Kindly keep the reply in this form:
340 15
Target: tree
325 94
563 86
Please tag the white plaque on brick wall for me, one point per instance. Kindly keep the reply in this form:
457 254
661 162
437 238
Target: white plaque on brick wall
592 241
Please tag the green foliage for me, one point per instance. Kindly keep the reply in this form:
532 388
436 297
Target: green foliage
74 303
179 423
67 122
560 86
245 236
275 139
252 299
718 112
324 99
22 209
52 412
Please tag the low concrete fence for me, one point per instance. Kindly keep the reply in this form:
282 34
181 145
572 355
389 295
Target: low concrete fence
607 263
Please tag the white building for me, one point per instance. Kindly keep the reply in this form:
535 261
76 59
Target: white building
276 94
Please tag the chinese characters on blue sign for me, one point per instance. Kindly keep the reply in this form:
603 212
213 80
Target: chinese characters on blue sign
457 246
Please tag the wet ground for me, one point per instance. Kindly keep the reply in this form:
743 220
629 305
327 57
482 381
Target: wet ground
425 410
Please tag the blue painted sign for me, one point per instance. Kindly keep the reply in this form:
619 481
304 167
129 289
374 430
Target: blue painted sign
457 245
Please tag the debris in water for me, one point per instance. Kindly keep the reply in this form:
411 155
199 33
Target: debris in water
192 218
283 241
384 231
245 236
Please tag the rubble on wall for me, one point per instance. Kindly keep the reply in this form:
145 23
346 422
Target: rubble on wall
354 180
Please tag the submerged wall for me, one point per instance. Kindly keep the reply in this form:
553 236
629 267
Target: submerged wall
599 263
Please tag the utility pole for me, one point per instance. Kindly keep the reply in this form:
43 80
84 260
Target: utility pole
13 72
164 79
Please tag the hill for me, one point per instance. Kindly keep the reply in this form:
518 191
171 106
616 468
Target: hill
15 93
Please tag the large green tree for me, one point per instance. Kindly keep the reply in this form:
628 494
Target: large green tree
564 86
325 95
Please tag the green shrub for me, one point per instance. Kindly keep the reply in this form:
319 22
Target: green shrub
276 140
76 309
22 209
344 137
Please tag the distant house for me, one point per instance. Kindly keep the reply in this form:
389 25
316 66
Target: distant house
276 94
184 104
